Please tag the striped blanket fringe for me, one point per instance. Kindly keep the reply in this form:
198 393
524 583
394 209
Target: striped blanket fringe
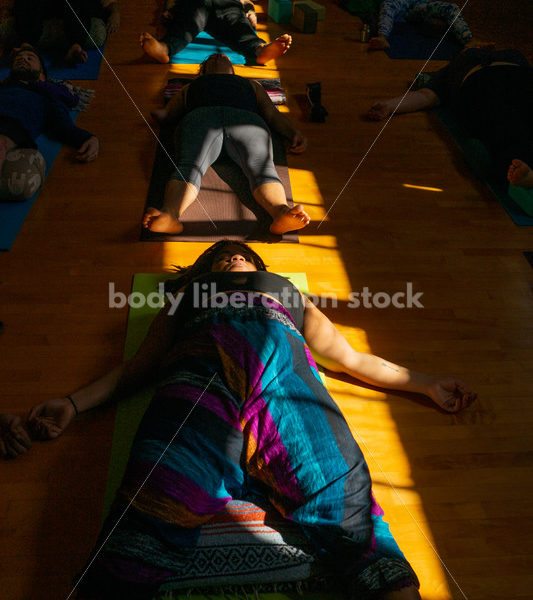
249 591
85 95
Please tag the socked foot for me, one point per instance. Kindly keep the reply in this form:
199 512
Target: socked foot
154 48
76 55
289 219
520 174
276 48
161 222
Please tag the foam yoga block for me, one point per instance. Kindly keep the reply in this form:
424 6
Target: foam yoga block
523 197
304 17
320 10
280 11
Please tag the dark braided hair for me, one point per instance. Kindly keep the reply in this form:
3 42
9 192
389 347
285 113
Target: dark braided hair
204 262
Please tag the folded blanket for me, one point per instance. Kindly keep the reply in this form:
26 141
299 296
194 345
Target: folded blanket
272 87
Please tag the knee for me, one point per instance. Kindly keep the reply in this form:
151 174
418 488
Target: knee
21 174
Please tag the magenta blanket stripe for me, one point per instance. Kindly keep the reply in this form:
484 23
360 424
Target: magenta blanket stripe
175 485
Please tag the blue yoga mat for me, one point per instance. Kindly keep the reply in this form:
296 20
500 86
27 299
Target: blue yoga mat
406 42
13 214
461 137
203 46
88 70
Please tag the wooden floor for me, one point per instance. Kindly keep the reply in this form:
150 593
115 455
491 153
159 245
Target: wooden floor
457 490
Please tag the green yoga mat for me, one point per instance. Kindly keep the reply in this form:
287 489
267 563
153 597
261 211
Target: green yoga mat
130 412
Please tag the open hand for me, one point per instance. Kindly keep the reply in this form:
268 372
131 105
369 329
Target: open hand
379 111
49 419
14 439
88 151
452 395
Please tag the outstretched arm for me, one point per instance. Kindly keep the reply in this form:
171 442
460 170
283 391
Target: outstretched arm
333 351
49 419
421 99
278 121
174 109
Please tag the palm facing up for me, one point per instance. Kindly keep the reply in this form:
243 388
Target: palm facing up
49 419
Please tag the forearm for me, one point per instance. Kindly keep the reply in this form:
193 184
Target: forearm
413 101
283 125
385 374
99 391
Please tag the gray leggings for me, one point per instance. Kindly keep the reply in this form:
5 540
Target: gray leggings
203 133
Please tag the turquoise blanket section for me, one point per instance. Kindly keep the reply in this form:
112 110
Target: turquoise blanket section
203 46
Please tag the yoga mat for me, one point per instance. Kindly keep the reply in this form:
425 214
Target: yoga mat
56 69
225 198
516 213
13 214
406 42
129 414
203 46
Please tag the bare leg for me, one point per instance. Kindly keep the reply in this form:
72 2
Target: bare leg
520 174
179 195
407 593
154 48
271 196
273 50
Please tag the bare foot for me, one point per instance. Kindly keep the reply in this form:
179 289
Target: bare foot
378 43
520 174
276 48
290 219
154 48
161 222
76 55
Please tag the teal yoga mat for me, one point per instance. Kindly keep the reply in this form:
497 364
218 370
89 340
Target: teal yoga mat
203 46
129 414
462 138
13 214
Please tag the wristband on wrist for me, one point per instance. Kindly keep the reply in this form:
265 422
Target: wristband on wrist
74 405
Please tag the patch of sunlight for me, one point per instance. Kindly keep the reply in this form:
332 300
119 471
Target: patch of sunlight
422 187
373 425
305 190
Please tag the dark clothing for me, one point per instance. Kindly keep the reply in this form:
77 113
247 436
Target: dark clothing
225 20
495 103
31 14
199 293
37 112
446 82
221 90
204 132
